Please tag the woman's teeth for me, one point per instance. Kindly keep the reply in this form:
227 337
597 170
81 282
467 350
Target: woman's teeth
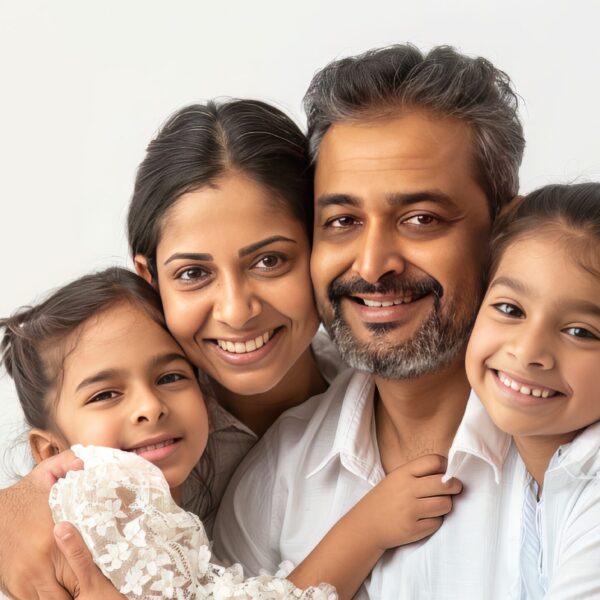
404 300
525 389
143 449
244 347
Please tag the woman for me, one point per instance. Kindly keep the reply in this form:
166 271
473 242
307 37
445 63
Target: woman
220 222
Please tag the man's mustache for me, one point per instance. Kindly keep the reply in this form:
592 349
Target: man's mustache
389 285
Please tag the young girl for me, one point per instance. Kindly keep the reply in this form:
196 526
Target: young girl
533 360
95 365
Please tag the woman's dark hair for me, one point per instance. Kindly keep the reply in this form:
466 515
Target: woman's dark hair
200 143
571 210
32 331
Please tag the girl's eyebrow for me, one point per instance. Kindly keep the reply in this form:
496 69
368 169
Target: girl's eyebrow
514 284
158 361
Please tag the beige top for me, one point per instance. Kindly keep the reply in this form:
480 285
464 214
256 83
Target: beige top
230 440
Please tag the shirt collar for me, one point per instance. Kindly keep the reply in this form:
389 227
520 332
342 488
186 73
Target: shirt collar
355 441
221 419
478 436
582 456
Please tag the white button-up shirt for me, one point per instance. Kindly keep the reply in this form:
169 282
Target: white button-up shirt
320 458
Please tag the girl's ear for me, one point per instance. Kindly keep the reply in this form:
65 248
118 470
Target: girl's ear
142 268
43 445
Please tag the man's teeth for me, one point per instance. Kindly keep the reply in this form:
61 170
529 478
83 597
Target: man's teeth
152 447
525 389
243 347
404 300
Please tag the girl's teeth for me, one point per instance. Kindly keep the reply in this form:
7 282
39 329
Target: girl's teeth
152 447
244 347
524 389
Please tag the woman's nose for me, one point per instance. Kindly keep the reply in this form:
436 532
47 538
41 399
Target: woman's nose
236 304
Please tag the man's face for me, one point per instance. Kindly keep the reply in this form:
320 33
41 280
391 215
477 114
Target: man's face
401 233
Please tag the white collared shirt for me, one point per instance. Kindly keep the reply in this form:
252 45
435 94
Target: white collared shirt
320 458
230 441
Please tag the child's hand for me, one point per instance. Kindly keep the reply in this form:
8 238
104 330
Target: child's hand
46 473
409 504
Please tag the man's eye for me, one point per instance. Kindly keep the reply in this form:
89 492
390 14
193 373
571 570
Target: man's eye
170 378
102 396
341 222
269 261
192 274
510 310
580 332
422 219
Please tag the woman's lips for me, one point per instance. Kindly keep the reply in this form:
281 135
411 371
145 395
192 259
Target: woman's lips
246 352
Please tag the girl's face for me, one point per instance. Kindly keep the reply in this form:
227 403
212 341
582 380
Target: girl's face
128 385
534 355
233 275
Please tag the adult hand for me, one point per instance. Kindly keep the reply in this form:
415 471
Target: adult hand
31 566
91 583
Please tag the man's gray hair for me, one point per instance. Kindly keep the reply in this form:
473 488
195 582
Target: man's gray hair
379 82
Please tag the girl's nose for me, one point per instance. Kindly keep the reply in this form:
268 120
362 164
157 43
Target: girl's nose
148 408
532 349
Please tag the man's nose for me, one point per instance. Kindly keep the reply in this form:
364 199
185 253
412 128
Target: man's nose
236 302
148 407
379 253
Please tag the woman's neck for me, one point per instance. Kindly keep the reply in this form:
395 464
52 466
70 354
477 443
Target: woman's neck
537 451
258 412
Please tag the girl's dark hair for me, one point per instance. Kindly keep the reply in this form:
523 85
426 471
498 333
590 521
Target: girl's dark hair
32 331
200 143
574 210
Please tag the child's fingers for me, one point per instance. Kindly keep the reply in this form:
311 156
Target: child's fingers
55 467
426 527
430 464
432 485
436 506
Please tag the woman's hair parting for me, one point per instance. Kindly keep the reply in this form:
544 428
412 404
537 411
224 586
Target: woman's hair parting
202 142
573 210
31 332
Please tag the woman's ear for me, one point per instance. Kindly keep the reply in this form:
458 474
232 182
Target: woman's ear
43 445
142 268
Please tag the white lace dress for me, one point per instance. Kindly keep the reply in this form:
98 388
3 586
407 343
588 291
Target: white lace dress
147 545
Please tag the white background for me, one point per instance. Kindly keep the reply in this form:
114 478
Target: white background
85 85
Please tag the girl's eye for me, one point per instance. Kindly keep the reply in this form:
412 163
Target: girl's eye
171 378
191 274
269 261
510 310
580 332
103 396
421 220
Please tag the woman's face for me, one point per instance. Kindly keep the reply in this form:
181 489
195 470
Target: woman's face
233 275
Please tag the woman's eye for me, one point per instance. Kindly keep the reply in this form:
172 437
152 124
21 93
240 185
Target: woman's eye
580 332
270 261
102 396
192 274
510 310
171 378
421 220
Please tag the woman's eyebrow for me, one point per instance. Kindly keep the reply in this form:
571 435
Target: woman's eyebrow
188 256
257 245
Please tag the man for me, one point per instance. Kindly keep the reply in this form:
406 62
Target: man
415 156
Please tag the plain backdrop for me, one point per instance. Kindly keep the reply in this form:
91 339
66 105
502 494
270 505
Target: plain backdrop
85 85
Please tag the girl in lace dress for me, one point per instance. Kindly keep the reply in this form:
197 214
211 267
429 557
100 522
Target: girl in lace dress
95 365
533 361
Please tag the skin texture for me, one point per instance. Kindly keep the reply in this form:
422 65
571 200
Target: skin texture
127 384
234 284
539 325
398 199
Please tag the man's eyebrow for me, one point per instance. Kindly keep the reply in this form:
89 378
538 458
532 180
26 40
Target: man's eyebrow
338 200
513 284
188 256
406 199
257 245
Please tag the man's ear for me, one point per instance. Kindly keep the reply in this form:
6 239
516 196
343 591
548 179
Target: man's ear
142 268
511 205
43 444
